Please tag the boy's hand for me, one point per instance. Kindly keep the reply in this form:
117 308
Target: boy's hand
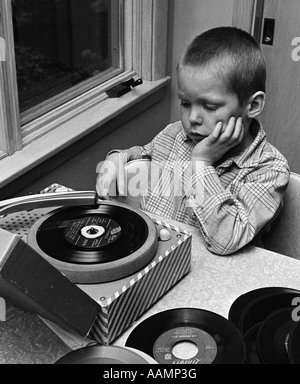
110 172
220 141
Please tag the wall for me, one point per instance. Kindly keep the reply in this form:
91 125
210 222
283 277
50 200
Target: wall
192 17
76 167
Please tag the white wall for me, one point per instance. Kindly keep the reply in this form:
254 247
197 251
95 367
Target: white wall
192 17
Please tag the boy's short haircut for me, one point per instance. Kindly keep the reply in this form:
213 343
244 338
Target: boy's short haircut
233 55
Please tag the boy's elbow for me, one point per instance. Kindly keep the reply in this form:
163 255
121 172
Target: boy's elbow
223 248
224 243
221 251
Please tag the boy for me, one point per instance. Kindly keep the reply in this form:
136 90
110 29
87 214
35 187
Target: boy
233 179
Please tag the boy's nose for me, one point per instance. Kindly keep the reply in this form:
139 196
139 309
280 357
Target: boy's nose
195 117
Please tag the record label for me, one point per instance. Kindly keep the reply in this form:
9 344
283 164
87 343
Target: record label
92 232
204 345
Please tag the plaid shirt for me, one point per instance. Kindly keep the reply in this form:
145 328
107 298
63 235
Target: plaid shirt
230 203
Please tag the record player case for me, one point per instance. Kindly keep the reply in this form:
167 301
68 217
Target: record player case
121 302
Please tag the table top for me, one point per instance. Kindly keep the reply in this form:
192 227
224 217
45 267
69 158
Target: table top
213 284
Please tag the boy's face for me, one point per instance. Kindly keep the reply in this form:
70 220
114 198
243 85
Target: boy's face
205 101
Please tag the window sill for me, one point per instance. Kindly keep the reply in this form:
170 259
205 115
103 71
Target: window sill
74 129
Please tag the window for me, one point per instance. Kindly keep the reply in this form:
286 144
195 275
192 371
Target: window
60 58
78 45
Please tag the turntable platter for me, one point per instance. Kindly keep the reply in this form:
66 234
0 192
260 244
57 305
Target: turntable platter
95 244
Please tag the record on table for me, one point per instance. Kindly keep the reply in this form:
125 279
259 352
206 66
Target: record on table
244 300
206 338
148 358
294 344
273 336
257 305
250 339
95 244
103 355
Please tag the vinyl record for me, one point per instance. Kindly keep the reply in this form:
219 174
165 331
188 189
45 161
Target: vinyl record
148 358
294 344
208 338
273 336
255 306
244 300
102 355
95 244
250 339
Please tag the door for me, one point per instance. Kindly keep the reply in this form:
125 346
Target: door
276 24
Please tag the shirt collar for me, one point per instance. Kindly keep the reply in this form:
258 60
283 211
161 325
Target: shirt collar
184 135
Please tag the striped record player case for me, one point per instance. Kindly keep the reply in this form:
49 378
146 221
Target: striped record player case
121 302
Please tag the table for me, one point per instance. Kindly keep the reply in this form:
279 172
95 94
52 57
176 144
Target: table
213 283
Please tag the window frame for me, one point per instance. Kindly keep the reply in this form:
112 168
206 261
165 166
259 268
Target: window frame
145 54
10 132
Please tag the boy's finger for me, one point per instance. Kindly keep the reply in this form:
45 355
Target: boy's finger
242 131
101 192
105 197
229 130
238 130
217 131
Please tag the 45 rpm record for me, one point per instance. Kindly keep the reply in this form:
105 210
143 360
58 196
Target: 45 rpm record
250 338
95 244
273 336
103 355
244 300
294 344
255 306
214 339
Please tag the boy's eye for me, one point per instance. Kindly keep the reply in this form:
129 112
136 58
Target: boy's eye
185 104
210 107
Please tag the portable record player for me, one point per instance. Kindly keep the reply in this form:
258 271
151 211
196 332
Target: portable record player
117 255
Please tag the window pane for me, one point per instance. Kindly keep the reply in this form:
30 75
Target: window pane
62 43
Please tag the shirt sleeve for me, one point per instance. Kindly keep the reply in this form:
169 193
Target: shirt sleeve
230 219
133 153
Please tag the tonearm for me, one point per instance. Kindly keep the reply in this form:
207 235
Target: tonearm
56 199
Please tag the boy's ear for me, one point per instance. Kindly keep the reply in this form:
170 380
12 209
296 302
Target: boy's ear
256 104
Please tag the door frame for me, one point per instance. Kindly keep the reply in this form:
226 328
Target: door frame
248 15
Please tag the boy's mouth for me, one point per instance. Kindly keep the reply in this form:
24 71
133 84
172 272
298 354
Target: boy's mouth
196 136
